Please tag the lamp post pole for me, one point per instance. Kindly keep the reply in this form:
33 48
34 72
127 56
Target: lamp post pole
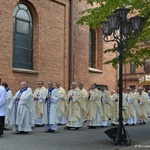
120 46
117 29
120 136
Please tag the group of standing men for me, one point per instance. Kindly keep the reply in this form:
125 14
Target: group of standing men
53 106
136 106
25 109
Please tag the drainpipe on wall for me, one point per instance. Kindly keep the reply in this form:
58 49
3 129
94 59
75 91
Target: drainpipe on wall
71 44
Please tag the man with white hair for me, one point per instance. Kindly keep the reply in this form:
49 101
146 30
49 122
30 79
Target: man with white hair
106 104
61 104
50 116
39 100
94 107
142 101
133 107
85 96
22 117
74 112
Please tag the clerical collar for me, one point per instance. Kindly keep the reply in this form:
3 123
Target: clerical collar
40 87
7 89
50 89
24 89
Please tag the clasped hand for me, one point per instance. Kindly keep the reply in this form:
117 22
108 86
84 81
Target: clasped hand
48 97
17 98
36 98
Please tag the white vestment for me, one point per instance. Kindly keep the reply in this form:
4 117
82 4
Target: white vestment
62 106
9 100
3 108
3 103
22 116
74 112
106 105
39 104
50 116
94 108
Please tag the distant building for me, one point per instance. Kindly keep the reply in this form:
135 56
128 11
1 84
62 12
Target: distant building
132 75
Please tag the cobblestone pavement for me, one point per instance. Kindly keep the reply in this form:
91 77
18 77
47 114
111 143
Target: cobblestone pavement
83 139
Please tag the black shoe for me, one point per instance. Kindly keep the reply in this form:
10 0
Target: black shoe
144 122
76 128
103 126
59 124
37 125
21 132
52 131
113 124
92 127
67 128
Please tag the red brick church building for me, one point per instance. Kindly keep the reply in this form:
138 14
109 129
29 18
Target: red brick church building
40 40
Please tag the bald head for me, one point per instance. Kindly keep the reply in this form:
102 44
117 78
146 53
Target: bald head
50 84
73 85
23 85
113 92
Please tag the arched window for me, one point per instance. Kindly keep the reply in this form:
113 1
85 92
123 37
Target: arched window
22 37
95 49
92 48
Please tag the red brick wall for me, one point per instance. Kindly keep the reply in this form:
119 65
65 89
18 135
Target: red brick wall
81 55
51 46
51 43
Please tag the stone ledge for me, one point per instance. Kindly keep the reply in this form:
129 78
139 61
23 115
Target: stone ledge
95 70
25 71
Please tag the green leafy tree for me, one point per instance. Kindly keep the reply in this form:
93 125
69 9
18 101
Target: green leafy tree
138 50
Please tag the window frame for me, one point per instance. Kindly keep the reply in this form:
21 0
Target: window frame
24 60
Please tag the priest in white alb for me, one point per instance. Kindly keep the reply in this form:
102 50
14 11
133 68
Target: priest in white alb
50 116
61 104
74 112
106 105
9 100
3 109
142 101
94 108
39 100
133 108
22 116
83 101
115 111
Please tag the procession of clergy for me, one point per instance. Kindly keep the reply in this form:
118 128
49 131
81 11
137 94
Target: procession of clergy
52 106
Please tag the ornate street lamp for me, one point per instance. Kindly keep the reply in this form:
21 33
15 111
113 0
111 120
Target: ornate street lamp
116 29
